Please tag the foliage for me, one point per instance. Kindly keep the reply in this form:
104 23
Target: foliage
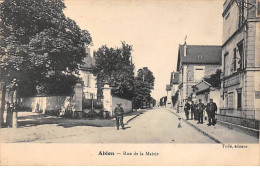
113 66
144 83
214 79
175 98
39 46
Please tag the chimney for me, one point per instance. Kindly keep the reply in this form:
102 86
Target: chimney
185 46
185 49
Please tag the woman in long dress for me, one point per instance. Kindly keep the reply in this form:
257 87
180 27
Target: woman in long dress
9 115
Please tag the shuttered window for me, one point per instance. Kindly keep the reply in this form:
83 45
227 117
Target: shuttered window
199 72
231 100
239 98
235 60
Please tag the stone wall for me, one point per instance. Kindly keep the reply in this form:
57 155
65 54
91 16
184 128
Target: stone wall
51 103
126 104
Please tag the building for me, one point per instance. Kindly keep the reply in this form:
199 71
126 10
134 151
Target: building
241 60
195 62
174 83
204 90
89 80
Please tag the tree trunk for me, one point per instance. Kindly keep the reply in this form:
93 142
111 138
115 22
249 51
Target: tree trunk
2 106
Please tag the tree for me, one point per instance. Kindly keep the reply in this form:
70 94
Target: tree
38 44
144 84
214 79
114 66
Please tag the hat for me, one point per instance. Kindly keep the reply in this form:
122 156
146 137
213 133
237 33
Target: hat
119 104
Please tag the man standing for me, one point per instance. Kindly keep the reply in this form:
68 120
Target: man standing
200 109
211 110
119 114
193 110
196 111
186 109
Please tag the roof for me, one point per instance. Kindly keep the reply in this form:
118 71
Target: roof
174 78
204 86
198 54
88 62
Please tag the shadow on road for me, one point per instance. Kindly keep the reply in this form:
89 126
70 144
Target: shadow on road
29 119
40 119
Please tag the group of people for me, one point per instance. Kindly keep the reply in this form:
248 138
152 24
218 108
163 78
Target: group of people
196 110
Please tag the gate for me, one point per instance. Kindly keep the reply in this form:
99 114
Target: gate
93 108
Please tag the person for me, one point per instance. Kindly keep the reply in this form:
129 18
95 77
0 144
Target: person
195 111
192 110
9 115
186 109
119 114
211 111
200 109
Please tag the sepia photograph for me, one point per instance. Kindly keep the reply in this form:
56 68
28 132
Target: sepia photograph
139 81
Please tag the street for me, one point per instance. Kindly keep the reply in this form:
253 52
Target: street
157 125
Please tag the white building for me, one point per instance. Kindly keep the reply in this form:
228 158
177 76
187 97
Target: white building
89 80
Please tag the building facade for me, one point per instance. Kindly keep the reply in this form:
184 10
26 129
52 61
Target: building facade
194 63
174 84
205 91
85 73
240 88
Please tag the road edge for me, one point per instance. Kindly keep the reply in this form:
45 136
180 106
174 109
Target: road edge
132 118
212 137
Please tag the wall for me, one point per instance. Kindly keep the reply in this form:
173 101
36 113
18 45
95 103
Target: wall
45 103
215 95
230 23
188 70
126 104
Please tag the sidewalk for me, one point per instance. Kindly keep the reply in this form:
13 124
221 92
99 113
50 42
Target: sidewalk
218 133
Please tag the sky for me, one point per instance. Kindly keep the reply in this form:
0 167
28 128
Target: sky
154 28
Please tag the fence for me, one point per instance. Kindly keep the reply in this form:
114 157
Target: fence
242 113
244 117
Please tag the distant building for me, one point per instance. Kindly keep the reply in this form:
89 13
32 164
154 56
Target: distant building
195 62
174 83
89 80
241 59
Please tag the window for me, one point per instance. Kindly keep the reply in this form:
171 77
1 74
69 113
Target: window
231 100
235 60
88 80
241 13
257 94
225 64
182 75
226 99
239 99
198 73
241 53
